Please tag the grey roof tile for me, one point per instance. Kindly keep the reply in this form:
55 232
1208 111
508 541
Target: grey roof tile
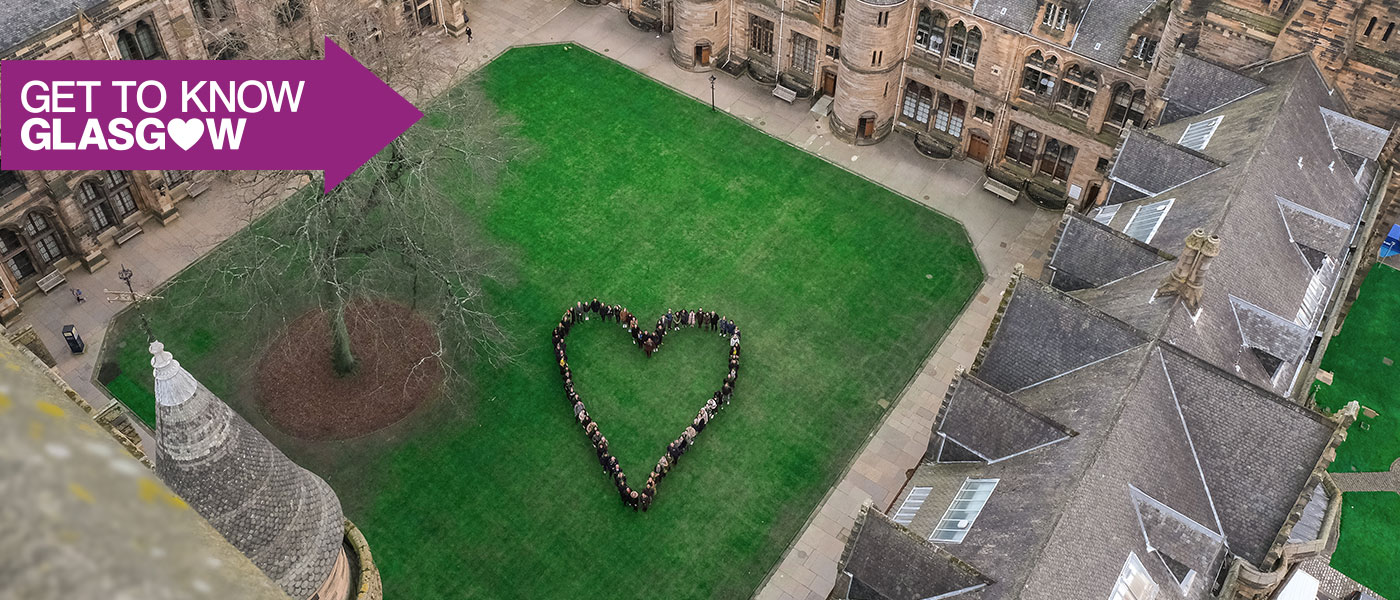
1197 86
1104 30
1354 135
1044 334
1154 165
1015 14
1269 332
1089 254
887 562
994 425
23 19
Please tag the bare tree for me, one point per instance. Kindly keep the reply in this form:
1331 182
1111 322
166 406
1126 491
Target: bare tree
397 228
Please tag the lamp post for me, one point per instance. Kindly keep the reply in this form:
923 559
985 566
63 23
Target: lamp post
125 275
712 93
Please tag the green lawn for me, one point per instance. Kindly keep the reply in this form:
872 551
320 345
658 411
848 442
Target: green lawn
640 196
1356 358
1366 548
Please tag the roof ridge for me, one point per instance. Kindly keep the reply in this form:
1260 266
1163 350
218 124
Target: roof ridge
1017 273
1009 399
867 509
1275 398
1123 236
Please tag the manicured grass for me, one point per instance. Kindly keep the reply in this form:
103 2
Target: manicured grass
643 197
1366 548
1356 357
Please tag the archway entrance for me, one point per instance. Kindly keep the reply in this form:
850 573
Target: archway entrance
702 54
977 147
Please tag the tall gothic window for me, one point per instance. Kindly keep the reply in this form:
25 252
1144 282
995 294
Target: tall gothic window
804 53
1056 16
1022 144
760 34
108 200
1078 92
42 238
139 42
1127 107
974 46
1038 78
16 255
1057 159
213 11
918 102
931 31
1145 48
949 118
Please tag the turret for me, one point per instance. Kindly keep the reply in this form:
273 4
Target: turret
874 37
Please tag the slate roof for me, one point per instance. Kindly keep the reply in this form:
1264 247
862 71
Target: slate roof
994 425
283 517
1157 469
1015 14
1197 86
1154 165
1087 254
1269 332
884 561
1043 334
1274 144
1104 30
23 19
1354 135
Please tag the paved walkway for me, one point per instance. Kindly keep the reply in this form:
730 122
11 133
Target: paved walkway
1003 235
1381 481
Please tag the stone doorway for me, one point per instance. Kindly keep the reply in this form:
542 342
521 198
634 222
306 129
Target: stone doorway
977 148
828 82
702 55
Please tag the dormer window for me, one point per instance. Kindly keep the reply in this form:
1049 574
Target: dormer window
971 498
1133 582
1145 49
1056 16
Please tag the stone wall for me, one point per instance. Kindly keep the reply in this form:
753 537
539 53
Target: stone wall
876 33
700 22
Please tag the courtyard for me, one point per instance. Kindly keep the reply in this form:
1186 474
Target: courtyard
635 194
1361 359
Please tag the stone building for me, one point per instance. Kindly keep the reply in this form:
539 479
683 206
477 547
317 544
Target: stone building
1040 91
55 221
1129 428
284 518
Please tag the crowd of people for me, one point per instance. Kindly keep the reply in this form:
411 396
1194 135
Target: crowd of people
649 342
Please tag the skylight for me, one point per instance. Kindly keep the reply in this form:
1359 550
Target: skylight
1316 294
955 524
1147 219
1133 582
1104 214
906 512
1198 134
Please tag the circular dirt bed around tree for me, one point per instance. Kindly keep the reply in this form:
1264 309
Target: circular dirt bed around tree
300 394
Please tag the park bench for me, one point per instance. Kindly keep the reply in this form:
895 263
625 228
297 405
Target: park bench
1001 189
787 95
127 233
48 282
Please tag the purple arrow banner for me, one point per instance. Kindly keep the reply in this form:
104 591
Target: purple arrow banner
329 115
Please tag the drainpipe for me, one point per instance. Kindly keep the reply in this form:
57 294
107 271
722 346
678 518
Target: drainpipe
904 64
778 52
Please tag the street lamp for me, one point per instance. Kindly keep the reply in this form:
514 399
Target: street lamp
712 93
125 275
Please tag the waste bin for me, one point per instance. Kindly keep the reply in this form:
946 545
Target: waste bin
75 341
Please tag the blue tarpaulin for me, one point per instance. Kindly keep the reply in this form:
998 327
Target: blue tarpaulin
1391 245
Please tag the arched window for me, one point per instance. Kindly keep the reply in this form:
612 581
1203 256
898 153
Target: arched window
106 201
931 31
1389 29
1078 92
950 115
1022 144
1057 159
1369 27
42 238
918 102
1038 78
16 255
139 42
974 45
957 42
1127 107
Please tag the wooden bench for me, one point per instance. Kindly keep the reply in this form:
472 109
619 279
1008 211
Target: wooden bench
1001 189
48 282
785 94
126 234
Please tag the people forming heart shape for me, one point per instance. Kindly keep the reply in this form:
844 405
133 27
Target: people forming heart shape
649 342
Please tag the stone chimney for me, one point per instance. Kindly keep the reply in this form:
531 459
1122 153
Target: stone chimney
1187 280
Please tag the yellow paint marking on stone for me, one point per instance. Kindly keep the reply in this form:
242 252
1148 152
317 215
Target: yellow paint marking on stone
51 409
82 493
36 430
5 403
150 491
87 427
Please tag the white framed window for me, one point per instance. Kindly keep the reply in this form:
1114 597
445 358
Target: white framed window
1316 295
1104 214
1133 582
1198 134
912 503
955 524
1146 219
